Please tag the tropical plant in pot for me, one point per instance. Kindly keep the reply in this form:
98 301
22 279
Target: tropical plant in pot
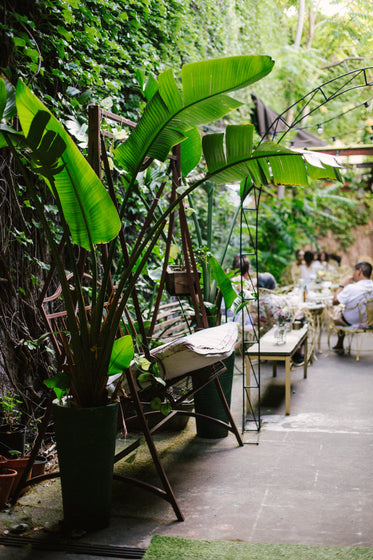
12 432
88 217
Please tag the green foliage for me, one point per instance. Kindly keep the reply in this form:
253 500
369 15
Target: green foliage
92 58
10 409
90 216
304 215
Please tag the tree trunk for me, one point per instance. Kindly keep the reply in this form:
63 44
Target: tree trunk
301 12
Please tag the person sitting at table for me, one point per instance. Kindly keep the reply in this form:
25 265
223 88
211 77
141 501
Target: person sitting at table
269 304
242 264
308 269
266 280
323 259
350 292
296 267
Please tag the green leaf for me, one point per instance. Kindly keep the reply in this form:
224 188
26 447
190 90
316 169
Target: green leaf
165 408
87 207
213 150
212 77
269 163
121 355
167 119
10 109
151 88
2 98
156 403
60 384
169 92
223 282
321 166
190 151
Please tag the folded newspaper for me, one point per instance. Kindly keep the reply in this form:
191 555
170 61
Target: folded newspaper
196 350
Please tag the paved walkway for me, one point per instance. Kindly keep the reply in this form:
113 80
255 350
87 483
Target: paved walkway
308 481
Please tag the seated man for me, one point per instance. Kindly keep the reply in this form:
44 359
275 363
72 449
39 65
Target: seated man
352 291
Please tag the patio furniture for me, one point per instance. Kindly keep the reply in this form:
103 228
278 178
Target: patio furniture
364 327
268 349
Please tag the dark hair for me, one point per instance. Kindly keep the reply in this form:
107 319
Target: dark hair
365 267
326 256
242 263
267 280
308 257
335 258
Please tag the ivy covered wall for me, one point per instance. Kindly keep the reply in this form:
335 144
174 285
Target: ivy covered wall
74 52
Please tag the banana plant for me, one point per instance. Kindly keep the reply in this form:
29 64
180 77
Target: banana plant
88 215
45 148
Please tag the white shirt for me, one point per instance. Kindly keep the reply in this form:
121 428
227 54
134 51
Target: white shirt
351 295
308 273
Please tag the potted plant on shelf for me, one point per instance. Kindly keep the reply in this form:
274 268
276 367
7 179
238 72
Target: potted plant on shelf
88 217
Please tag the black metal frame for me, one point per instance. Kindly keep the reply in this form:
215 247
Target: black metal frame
306 105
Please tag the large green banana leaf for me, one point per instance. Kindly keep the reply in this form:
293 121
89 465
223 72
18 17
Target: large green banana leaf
87 207
190 151
230 158
223 281
170 114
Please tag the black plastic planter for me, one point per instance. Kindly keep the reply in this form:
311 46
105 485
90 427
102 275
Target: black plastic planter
207 401
12 440
85 440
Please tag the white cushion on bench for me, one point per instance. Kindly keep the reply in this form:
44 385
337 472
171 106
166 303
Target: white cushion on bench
196 350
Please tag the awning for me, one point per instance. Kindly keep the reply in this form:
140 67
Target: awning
264 119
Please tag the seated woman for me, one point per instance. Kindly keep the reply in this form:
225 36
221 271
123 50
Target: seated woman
308 269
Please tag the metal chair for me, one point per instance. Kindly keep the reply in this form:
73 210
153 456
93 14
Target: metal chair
365 325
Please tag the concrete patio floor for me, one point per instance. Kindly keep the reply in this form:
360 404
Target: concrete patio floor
306 479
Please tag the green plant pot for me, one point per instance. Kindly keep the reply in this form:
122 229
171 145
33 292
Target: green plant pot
85 439
207 401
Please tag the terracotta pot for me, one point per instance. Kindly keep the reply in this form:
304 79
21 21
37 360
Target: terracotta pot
19 464
7 478
38 467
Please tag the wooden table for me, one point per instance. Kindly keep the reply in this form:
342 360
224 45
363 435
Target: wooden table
268 349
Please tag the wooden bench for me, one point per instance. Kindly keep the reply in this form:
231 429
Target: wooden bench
174 319
267 349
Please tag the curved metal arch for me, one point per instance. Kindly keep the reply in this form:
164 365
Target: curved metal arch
349 84
251 414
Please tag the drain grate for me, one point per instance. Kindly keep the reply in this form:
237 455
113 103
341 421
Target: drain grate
111 551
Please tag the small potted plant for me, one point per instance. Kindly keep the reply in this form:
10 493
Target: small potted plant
12 432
